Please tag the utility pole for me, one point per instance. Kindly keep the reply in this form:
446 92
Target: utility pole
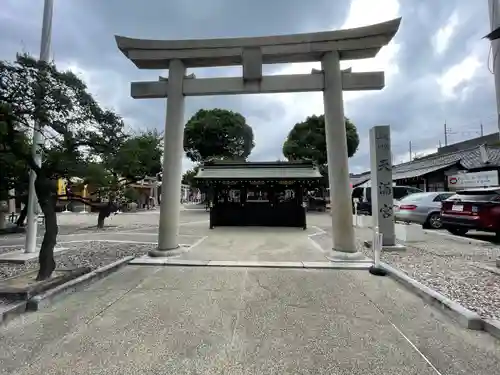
445 135
494 13
482 129
409 144
38 140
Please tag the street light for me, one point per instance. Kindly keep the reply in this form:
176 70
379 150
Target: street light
38 140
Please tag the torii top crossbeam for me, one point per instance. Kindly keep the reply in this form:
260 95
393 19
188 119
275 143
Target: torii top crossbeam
357 43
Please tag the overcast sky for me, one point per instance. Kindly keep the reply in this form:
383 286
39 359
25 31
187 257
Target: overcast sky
436 67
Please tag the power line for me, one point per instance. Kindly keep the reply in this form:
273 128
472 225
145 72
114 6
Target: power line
448 131
475 121
479 131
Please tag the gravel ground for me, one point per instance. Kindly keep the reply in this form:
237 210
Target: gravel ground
89 254
9 249
446 265
69 229
66 229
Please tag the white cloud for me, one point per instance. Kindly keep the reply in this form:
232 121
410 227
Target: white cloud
458 74
108 94
299 106
442 37
11 9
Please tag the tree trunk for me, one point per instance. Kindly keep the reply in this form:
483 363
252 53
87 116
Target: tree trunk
104 213
22 216
46 192
3 222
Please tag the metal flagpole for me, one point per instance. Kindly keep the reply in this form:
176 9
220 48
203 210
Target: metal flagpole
494 13
32 219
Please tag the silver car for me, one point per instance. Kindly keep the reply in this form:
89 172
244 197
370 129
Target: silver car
422 208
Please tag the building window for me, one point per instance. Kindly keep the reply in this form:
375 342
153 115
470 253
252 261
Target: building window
435 186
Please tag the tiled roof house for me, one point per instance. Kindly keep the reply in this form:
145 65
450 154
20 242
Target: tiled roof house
448 160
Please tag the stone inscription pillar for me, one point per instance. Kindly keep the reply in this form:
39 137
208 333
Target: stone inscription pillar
344 246
381 183
172 162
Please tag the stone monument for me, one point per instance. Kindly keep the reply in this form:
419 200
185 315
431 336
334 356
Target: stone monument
381 182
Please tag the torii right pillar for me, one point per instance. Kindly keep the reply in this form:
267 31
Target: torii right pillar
344 244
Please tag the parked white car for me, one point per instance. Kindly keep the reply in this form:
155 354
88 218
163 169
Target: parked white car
422 208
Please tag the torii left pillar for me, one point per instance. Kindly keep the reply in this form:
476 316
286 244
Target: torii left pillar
168 235
343 241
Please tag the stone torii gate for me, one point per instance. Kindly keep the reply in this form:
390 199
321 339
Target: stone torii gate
328 47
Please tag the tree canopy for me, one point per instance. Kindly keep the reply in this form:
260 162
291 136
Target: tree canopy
77 135
73 125
217 134
307 141
139 156
135 158
188 178
14 173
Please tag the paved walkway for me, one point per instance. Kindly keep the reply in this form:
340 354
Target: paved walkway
164 320
224 243
256 244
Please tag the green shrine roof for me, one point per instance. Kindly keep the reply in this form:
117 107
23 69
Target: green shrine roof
258 170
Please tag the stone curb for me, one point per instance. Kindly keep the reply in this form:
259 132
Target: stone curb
487 268
453 237
492 327
353 265
15 309
465 317
45 299
387 248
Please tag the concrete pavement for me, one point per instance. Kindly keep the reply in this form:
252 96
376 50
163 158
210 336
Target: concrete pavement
204 320
127 226
256 244
151 320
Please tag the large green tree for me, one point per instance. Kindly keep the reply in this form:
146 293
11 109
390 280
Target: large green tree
217 134
74 129
135 158
307 141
